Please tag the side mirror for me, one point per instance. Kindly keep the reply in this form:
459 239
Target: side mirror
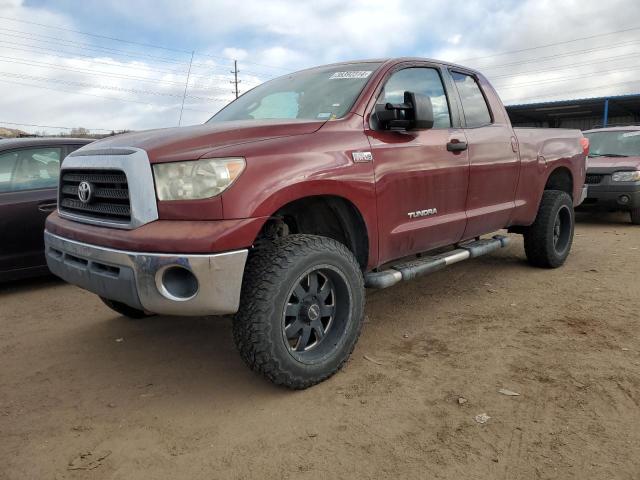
416 113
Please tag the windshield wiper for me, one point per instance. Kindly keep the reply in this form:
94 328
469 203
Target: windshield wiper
607 155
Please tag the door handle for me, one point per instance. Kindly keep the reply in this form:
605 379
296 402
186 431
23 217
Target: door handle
456 145
47 207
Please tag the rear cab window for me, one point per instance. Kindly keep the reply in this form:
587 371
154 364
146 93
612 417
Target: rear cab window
474 104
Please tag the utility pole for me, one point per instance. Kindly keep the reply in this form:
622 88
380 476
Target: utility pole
186 85
235 80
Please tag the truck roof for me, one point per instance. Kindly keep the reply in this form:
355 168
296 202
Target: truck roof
392 60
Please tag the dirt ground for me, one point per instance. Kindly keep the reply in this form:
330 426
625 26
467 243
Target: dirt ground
87 394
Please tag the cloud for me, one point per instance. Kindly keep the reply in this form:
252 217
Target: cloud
235 53
60 77
454 39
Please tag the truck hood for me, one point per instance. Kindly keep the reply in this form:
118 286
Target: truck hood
190 143
612 164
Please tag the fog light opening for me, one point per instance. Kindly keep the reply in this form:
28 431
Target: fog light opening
177 283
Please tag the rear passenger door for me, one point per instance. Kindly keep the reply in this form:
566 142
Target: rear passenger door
493 157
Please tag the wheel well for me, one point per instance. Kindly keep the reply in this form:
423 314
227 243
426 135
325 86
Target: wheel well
326 215
560 179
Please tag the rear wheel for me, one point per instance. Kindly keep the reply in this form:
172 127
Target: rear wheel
547 242
635 216
124 309
301 309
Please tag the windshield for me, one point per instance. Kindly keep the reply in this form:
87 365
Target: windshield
614 143
320 94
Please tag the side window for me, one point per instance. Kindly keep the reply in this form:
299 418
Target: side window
425 81
29 169
476 111
8 162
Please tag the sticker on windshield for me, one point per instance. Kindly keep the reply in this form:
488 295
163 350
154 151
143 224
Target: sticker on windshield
631 134
352 74
324 115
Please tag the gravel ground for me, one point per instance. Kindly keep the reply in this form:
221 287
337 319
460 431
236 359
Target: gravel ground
85 393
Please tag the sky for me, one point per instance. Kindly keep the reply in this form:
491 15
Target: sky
114 64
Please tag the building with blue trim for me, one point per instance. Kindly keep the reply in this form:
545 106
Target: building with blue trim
582 113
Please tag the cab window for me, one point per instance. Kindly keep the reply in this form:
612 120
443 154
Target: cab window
474 105
29 169
425 81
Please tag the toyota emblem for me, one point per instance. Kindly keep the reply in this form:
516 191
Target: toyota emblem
85 192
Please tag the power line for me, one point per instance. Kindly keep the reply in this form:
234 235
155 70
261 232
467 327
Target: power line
561 55
566 66
61 128
184 94
551 44
95 72
260 74
99 49
112 64
87 46
115 39
90 58
538 97
100 87
36 63
566 79
575 77
74 92
244 61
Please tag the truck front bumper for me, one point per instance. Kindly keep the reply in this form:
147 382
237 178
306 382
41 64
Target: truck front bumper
171 284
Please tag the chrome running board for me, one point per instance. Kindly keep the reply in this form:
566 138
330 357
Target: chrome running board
422 266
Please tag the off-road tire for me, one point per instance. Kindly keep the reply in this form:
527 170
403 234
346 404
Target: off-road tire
124 309
272 271
539 242
635 216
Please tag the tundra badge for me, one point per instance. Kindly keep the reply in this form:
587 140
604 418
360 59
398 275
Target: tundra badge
360 157
423 213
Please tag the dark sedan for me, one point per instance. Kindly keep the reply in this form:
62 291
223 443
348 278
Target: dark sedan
29 169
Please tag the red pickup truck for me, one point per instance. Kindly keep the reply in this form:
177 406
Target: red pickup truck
291 200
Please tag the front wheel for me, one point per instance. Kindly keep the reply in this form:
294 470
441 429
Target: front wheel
548 241
301 309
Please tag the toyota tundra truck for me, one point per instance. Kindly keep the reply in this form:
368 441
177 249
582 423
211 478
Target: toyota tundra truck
306 190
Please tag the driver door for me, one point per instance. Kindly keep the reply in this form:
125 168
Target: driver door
421 186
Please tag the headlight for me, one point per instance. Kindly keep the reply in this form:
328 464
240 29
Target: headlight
196 179
632 176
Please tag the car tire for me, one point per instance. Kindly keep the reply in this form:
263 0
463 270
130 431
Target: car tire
547 242
124 309
301 309
635 216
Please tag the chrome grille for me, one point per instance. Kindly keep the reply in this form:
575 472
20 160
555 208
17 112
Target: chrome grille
109 199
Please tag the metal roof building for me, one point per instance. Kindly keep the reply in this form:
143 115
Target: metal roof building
583 113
